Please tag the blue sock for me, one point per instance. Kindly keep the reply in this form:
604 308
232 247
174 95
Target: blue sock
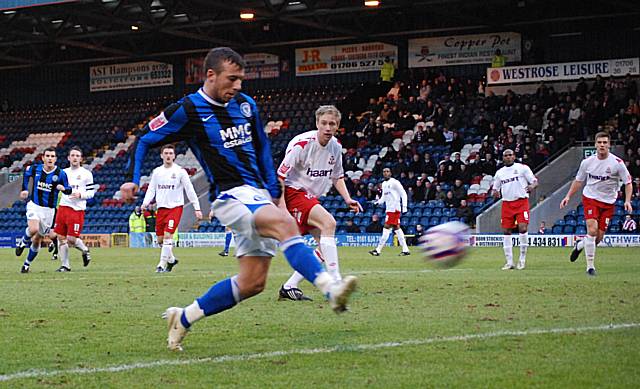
227 241
33 252
218 298
301 258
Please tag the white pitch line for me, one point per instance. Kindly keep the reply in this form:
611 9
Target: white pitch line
40 373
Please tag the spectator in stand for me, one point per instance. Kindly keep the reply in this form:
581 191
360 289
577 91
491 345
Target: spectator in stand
636 187
429 191
424 91
464 175
352 228
457 143
440 195
418 191
136 221
450 201
629 225
465 213
581 88
543 228
489 165
387 71
415 239
444 174
375 227
498 60
459 192
428 165
150 219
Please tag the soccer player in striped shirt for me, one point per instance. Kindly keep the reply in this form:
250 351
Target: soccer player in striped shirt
223 129
47 180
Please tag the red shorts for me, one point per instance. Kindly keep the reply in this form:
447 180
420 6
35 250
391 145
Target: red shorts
514 212
69 222
167 220
393 219
602 212
299 204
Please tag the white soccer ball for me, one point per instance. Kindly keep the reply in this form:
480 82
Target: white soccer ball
446 244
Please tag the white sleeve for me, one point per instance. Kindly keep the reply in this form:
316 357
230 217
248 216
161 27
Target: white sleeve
151 191
403 195
90 187
188 187
497 184
289 160
528 175
582 171
338 171
625 176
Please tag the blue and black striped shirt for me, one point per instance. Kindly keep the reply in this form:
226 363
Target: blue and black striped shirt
227 139
43 187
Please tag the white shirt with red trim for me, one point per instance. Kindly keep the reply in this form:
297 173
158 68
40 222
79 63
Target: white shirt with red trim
309 166
80 181
168 185
512 181
604 177
393 196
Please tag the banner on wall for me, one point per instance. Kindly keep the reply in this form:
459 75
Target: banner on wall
463 49
563 71
130 75
259 66
358 57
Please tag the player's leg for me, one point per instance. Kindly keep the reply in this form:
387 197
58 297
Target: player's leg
290 289
33 252
324 221
173 220
386 232
53 245
33 225
161 218
590 244
227 242
167 245
522 219
507 222
61 230
402 240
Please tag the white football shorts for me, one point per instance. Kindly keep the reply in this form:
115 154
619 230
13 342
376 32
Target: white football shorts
235 209
43 214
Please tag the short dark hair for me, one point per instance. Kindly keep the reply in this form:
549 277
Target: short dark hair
216 57
53 149
76 148
168 146
603 134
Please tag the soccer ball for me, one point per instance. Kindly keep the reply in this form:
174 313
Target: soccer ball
446 244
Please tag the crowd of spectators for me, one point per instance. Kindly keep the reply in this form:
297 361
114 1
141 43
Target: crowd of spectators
445 112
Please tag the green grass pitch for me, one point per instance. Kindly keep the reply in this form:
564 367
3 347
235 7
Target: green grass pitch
410 325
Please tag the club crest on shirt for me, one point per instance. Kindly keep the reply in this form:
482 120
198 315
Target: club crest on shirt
158 122
608 171
332 160
245 109
173 176
54 178
78 177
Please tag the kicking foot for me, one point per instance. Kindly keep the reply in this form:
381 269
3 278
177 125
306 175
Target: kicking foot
340 293
575 253
177 332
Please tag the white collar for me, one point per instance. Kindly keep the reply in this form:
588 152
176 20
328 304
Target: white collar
210 100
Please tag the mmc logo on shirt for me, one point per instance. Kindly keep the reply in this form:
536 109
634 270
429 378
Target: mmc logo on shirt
236 136
45 187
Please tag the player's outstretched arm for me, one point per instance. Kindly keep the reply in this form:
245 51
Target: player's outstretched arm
628 190
341 187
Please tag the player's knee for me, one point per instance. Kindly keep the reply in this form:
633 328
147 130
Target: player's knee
253 288
329 225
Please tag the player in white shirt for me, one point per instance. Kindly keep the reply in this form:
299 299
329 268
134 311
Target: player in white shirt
603 173
312 163
513 182
167 184
70 213
394 198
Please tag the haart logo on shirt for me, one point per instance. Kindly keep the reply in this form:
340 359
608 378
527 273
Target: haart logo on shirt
158 122
166 186
236 136
601 178
318 173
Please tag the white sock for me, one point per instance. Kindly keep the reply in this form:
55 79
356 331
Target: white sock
590 250
63 249
193 312
80 245
507 246
330 254
580 245
294 280
383 239
524 243
165 253
402 240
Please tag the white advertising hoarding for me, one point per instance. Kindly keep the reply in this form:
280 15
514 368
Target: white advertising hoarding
463 49
563 71
358 57
130 75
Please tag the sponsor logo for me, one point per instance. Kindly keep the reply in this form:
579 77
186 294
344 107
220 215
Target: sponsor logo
43 186
166 186
284 168
207 118
318 173
158 122
600 178
245 109
236 135
508 180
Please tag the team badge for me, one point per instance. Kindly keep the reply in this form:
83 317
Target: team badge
158 122
245 108
332 160
78 178
54 178
173 176
608 171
